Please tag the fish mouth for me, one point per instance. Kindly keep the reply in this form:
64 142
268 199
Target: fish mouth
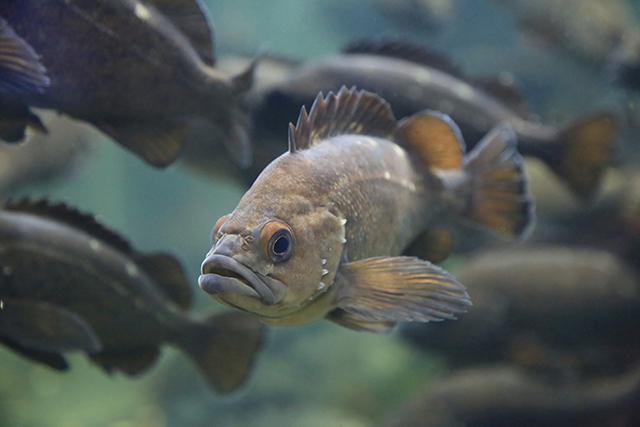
221 273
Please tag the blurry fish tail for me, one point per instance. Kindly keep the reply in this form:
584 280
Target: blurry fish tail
496 186
585 148
224 347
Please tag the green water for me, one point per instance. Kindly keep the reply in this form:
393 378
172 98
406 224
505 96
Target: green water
317 375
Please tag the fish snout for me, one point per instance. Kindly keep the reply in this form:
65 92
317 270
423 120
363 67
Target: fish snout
228 245
221 273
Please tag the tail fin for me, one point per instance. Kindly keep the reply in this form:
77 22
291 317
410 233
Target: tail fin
499 198
585 150
224 347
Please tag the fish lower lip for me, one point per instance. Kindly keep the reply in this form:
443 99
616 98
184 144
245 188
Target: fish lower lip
214 284
257 285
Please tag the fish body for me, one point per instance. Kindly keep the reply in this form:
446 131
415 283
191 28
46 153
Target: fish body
137 70
131 303
562 307
319 232
412 79
503 395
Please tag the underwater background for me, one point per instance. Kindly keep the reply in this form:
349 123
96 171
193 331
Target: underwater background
315 375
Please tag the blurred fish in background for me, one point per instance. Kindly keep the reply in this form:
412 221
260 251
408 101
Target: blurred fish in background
45 158
413 78
507 396
68 283
139 71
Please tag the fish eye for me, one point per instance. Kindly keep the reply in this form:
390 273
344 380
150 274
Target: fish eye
219 223
277 241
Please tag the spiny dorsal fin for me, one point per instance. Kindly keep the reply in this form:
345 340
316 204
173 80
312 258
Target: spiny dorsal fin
20 67
192 19
433 138
405 50
167 272
349 112
66 214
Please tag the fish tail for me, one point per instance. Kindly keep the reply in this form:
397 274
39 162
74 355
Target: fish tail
585 149
496 186
224 347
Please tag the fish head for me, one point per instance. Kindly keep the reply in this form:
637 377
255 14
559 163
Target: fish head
274 263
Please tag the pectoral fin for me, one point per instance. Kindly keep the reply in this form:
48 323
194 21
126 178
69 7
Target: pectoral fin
399 289
46 327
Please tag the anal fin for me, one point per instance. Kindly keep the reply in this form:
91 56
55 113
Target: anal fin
432 245
131 361
399 289
158 143
358 323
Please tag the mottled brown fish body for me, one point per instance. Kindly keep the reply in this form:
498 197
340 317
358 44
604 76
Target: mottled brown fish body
319 232
128 69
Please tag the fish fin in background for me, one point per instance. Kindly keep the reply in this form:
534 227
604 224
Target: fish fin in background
169 275
193 20
237 140
399 289
224 347
53 360
434 246
131 362
20 67
349 112
64 213
433 138
584 150
496 186
358 323
506 93
15 119
45 327
405 50
158 143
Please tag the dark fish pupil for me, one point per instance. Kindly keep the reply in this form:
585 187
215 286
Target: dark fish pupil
281 245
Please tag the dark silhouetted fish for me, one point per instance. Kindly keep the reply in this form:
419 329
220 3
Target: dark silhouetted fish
139 70
320 232
566 308
413 78
506 396
69 283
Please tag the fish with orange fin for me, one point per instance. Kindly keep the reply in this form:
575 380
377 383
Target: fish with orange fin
67 283
320 232
413 77
141 71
